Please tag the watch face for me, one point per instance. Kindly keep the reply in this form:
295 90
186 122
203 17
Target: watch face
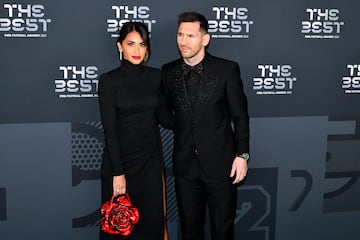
245 156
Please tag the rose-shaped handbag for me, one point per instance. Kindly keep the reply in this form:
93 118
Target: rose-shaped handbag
118 215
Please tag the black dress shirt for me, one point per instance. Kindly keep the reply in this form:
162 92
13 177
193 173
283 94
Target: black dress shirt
192 77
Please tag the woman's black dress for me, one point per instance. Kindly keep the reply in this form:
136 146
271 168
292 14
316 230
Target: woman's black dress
128 100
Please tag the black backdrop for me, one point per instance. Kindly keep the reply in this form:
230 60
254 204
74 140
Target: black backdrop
300 67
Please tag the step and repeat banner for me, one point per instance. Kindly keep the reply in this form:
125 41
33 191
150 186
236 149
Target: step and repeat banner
300 64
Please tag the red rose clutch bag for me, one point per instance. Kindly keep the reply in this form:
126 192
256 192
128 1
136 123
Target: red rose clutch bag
118 215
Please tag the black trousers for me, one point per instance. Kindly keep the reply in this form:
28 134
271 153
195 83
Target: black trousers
194 192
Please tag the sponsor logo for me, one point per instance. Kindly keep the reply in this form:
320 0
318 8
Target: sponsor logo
77 82
24 21
351 82
123 14
322 23
274 80
230 23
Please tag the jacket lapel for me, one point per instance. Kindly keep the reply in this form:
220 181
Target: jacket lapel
206 89
177 78
207 86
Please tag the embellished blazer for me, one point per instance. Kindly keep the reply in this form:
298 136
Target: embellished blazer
219 129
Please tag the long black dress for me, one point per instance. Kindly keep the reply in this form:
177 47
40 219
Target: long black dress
128 99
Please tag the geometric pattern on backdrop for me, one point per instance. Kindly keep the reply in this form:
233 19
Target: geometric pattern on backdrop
87 144
87 148
167 147
256 205
343 168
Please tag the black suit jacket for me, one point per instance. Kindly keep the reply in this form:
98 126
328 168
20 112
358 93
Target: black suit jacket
221 102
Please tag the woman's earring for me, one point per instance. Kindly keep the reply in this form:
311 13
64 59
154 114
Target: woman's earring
120 55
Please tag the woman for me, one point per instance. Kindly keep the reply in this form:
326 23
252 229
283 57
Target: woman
132 160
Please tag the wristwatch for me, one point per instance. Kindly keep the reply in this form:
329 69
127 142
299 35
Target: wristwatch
245 156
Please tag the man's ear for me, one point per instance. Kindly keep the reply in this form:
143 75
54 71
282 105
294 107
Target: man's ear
206 39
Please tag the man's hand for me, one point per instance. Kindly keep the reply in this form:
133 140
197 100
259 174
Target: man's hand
239 169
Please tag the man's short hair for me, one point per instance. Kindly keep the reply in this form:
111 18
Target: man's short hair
194 17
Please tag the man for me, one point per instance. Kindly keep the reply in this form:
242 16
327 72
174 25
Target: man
201 97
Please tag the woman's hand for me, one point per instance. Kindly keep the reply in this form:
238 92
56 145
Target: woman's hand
119 185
